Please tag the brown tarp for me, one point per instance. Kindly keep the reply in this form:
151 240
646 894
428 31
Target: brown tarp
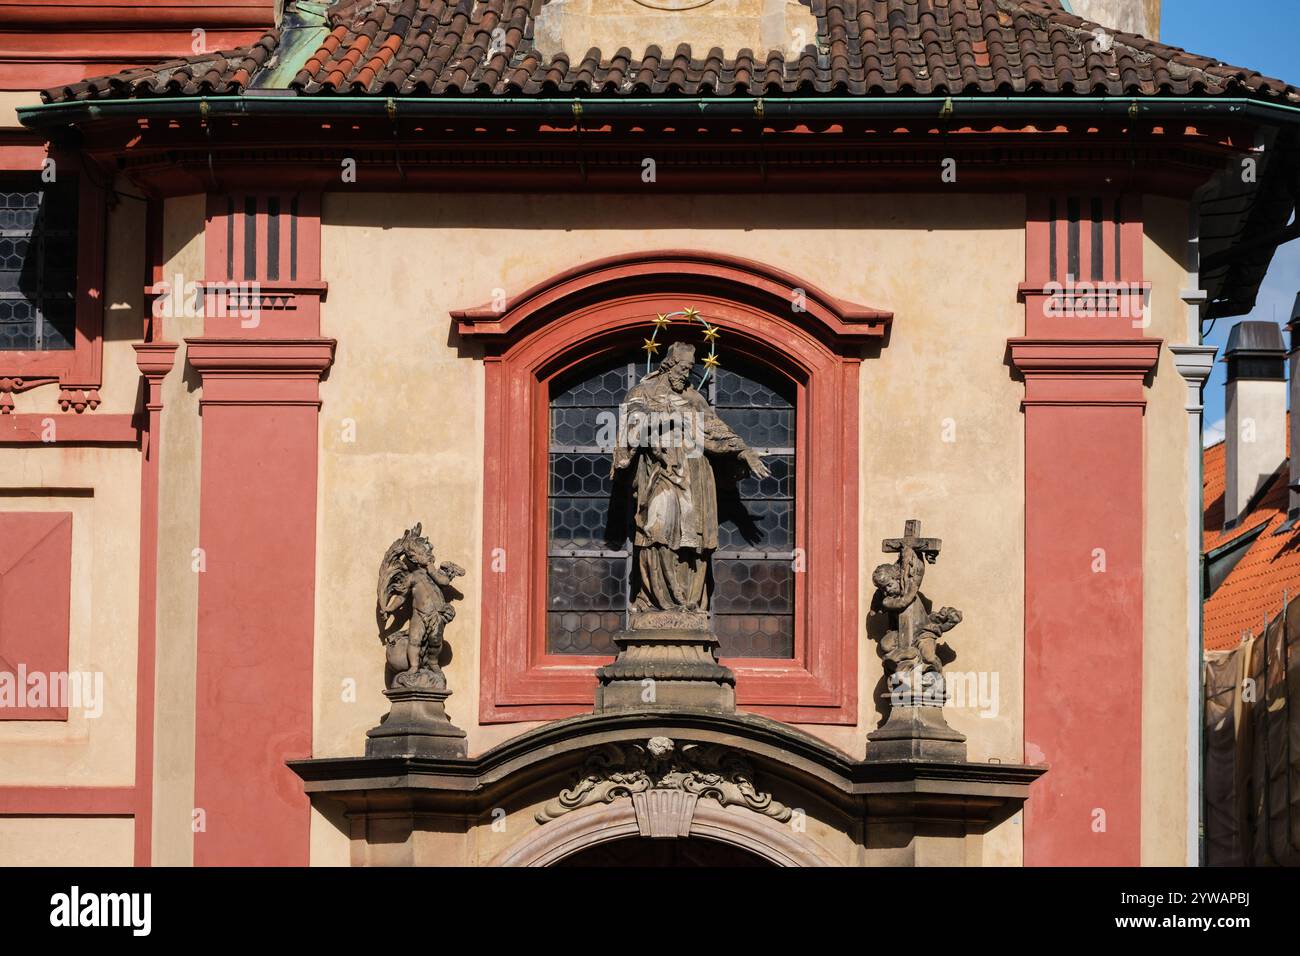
1252 748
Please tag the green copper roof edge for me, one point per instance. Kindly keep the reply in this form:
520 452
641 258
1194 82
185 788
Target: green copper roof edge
302 31
946 108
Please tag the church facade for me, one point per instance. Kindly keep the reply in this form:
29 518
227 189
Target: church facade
570 433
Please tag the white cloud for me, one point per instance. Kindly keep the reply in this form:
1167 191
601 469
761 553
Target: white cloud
1212 433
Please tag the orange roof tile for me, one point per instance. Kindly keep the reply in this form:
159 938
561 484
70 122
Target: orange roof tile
1267 575
868 48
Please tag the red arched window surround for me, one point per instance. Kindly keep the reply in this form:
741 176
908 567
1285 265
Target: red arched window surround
595 308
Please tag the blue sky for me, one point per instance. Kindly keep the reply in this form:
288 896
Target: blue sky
1262 35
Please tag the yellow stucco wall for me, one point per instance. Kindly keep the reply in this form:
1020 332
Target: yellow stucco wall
178 535
942 435
402 441
1165 584
65 841
10 102
100 487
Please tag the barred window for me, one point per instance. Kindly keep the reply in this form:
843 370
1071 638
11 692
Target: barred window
38 264
589 559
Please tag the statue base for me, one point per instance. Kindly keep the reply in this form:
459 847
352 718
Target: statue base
916 732
416 726
666 660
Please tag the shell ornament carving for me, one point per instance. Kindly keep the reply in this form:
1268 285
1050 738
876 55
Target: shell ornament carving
709 771
674 6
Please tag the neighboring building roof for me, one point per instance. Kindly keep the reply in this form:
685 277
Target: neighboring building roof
1267 574
867 48
44 42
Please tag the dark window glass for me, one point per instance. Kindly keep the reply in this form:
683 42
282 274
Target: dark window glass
589 541
38 264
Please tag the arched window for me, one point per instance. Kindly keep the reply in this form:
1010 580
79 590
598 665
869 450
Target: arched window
589 555
557 572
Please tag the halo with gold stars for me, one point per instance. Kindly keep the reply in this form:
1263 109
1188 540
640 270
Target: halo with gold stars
663 320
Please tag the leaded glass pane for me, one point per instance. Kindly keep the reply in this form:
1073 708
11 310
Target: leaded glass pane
576 474
755 635
38 279
580 427
584 523
574 632
587 584
753 586
590 560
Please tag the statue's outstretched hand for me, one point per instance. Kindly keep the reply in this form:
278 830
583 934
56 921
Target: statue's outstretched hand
755 463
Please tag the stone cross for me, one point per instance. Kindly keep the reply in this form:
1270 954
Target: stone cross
913 552
929 547
915 727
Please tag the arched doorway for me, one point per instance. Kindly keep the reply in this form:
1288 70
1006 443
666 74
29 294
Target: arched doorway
683 852
731 836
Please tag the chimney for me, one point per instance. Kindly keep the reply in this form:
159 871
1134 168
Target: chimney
1294 366
1255 424
1125 16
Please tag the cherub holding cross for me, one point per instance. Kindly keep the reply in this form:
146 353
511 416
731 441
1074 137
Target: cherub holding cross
913 639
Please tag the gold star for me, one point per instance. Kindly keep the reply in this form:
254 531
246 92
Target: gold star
711 332
651 346
690 314
710 361
661 321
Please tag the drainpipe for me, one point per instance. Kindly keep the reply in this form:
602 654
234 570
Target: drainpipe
1194 363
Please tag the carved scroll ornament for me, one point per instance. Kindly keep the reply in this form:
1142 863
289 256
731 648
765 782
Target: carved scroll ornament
705 770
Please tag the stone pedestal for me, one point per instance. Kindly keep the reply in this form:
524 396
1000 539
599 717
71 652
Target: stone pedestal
915 732
416 726
666 659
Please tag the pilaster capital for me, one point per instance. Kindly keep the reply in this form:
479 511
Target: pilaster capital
1084 371
262 371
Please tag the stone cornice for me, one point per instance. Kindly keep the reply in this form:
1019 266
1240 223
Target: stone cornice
1084 371
918 789
260 371
687 270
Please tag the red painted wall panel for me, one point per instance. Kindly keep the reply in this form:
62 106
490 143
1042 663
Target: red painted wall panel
253 708
35 603
1084 517
1083 633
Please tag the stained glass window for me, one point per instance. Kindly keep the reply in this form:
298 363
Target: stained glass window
38 264
589 564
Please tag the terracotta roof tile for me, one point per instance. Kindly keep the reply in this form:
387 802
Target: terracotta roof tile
863 47
1267 574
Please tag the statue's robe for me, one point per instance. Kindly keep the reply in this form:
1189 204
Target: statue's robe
675 493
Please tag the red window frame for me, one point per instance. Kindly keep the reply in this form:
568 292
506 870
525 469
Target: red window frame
593 310
78 370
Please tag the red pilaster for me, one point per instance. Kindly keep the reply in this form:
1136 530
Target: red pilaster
1084 519
257 519
155 360
257 523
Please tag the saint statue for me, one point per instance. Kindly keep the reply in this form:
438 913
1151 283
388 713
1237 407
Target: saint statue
669 432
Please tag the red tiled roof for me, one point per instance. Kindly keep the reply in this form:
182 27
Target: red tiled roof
868 48
1266 575
1214 486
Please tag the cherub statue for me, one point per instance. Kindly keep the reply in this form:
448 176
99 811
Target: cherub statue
910 647
412 610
